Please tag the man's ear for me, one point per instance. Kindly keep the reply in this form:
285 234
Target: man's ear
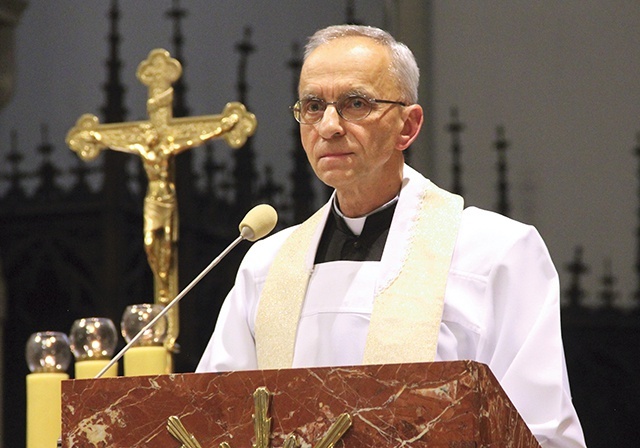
413 116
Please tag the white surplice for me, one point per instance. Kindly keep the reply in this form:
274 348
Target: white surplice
501 308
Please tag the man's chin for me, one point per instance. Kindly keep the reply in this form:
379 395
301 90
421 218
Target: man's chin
335 178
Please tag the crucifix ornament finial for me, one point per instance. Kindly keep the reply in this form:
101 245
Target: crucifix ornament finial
157 141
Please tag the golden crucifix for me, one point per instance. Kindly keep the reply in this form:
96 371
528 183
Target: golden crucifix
157 141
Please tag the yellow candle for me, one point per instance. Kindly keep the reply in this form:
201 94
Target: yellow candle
146 360
44 425
91 367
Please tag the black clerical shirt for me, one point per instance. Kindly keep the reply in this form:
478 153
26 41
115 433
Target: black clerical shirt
338 242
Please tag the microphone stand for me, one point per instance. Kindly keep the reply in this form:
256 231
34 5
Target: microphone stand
246 233
165 310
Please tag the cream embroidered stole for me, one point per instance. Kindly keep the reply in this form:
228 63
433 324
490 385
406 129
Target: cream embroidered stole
407 311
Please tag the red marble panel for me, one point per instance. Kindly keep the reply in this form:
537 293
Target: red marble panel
454 404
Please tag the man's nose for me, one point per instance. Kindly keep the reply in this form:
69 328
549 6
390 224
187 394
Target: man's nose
330 123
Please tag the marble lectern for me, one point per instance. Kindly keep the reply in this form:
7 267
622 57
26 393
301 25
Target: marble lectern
441 404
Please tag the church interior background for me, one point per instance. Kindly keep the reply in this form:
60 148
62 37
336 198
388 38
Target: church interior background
532 111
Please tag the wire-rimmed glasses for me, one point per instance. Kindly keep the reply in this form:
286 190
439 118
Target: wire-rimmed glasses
351 108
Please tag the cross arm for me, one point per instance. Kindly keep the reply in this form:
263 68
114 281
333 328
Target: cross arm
235 125
88 137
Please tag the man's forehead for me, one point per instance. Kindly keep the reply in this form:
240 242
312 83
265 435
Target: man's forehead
348 63
312 92
331 86
348 47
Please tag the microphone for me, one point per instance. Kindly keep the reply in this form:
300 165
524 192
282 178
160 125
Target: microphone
256 224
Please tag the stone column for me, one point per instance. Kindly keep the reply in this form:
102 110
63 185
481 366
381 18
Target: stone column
410 22
10 11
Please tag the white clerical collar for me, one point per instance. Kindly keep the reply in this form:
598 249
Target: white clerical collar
357 224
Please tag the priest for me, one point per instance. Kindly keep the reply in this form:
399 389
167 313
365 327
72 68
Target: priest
394 269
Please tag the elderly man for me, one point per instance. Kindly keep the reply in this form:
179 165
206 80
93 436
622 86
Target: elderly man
392 268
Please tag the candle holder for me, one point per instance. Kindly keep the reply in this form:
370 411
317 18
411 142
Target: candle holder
148 356
93 342
48 357
48 352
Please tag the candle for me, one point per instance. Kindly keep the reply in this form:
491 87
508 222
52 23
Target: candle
146 360
91 367
148 355
44 419
93 341
48 357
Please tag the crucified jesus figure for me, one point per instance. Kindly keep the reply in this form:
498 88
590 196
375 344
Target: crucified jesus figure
157 142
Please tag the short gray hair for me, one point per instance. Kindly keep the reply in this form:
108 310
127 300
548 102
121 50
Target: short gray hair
403 63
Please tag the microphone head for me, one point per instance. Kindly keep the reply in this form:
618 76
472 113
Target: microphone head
256 224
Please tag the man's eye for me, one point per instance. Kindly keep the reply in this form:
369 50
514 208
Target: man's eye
355 102
313 106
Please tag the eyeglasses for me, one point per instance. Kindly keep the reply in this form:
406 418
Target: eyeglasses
351 108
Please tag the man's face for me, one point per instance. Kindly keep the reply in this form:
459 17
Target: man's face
352 155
